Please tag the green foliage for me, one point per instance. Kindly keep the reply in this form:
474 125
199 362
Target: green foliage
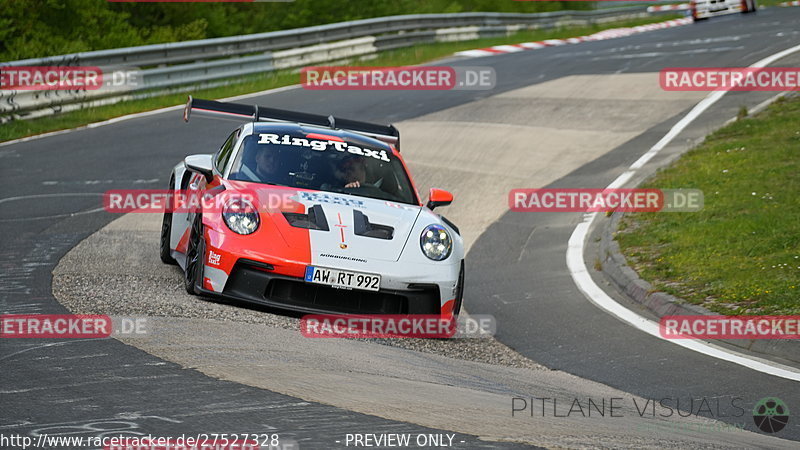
37 28
741 253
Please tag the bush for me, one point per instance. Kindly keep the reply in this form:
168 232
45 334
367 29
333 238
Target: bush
38 28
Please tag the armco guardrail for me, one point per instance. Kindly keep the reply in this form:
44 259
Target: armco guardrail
206 62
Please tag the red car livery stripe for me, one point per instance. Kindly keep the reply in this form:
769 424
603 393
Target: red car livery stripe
275 242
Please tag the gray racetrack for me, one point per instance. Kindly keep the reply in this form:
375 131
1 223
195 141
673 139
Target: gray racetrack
77 383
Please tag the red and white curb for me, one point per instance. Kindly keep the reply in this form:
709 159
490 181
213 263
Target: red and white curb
795 3
680 7
599 36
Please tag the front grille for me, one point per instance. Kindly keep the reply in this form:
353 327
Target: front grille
340 300
255 283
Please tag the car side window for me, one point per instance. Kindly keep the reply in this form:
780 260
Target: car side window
225 151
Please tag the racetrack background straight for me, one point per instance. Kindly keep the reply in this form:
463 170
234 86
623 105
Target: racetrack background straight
527 137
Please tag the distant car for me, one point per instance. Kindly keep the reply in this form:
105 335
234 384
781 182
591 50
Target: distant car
333 222
703 9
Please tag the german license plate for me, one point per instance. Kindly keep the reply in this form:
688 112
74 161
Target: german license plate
343 279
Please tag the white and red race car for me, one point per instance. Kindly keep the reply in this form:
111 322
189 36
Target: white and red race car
703 9
312 214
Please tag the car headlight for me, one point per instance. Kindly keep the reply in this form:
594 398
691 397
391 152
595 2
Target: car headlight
240 216
436 243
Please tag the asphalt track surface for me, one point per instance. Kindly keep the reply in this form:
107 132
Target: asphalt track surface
91 385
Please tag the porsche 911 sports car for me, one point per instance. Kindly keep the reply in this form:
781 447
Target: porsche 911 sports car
314 214
703 9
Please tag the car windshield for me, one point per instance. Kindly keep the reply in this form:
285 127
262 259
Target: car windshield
324 164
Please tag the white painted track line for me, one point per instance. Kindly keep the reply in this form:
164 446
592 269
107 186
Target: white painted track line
593 292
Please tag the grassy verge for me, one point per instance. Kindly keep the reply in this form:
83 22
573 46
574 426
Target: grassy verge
741 253
771 3
407 56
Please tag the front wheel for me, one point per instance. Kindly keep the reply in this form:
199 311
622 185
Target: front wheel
195 258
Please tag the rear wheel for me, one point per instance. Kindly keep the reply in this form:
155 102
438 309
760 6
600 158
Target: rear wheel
195 258
166 230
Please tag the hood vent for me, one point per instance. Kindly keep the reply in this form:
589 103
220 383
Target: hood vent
313 220
362 227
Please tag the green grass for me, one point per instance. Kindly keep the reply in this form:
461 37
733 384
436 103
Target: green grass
406 56
771 3
741 253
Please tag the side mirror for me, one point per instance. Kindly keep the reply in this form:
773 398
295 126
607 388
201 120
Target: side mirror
439 197
202 164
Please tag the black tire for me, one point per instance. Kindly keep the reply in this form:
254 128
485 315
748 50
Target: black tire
166 231
459 292
195 258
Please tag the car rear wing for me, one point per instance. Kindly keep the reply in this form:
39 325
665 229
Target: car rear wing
240 112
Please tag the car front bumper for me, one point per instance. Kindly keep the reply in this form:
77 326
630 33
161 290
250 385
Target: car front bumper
255 282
